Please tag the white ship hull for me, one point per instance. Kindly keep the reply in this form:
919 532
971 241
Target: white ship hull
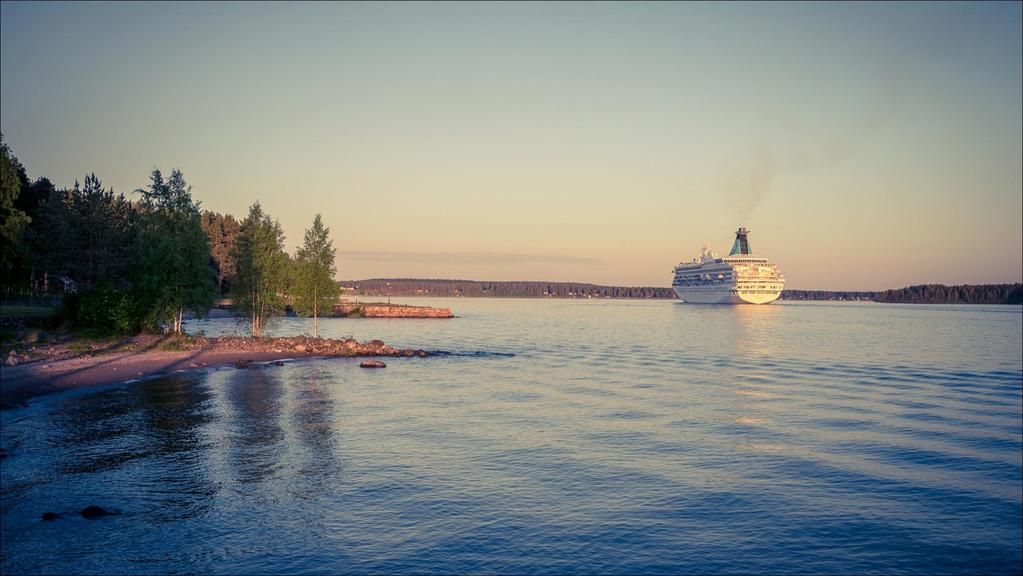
718 296
739 278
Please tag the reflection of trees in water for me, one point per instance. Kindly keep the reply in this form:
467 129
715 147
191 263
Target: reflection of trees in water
153 418
160 421
313 422
257 439
96 432
176 414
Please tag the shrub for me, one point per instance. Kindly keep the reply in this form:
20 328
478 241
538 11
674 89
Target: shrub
103 310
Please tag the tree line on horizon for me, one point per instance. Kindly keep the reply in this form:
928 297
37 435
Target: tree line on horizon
125 266
502 289
930 294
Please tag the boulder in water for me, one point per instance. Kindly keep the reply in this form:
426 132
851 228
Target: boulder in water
372 364
93 512
241 364
50 516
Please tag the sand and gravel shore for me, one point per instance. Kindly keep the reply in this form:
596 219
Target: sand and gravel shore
55 368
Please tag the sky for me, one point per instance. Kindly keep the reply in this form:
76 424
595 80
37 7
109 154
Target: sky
866 146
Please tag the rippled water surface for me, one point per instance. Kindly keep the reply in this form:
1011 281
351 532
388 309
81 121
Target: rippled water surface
564 436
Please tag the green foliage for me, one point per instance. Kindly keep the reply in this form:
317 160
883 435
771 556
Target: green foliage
314 289
222 232
173 274
103 310
87 234
12 220
261 269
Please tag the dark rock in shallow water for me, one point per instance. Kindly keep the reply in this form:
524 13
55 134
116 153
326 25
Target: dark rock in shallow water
278 363
372 364
50 516
241 364
93 512
3 453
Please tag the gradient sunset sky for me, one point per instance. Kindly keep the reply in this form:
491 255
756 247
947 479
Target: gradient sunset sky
867 146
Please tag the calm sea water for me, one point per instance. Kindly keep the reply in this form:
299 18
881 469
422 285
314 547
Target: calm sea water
561 437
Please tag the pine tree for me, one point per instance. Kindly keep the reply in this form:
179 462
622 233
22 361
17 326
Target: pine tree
222 231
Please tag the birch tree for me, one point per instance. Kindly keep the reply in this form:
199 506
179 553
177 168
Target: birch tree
314 288
261 269
174 274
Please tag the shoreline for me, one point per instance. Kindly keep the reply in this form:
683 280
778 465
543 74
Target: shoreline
41 377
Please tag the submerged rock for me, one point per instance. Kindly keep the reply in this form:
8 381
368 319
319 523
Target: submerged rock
372 364
93 512
50 516
278 363
241 364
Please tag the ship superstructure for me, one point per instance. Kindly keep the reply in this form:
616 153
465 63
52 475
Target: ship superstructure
739 278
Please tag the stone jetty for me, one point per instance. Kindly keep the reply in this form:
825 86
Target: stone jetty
384 310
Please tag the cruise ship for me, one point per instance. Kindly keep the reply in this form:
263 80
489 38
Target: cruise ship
739 278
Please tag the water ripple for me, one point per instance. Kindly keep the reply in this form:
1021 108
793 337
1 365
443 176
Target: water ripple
556 437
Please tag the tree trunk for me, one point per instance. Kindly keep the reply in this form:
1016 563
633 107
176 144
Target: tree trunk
255 315
315 333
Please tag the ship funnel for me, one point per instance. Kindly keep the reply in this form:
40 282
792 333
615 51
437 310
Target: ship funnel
741 245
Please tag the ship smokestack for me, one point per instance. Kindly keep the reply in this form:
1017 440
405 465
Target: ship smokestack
741 245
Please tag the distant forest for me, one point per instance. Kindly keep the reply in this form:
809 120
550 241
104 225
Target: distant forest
965 294
924 294
513 289
826 295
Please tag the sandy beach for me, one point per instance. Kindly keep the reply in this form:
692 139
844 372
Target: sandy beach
44 376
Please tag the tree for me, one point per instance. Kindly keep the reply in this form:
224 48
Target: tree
173 274
12 220
314 286
222 231
99 238
261 269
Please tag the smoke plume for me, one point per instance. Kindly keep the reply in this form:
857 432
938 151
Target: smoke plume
749 182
